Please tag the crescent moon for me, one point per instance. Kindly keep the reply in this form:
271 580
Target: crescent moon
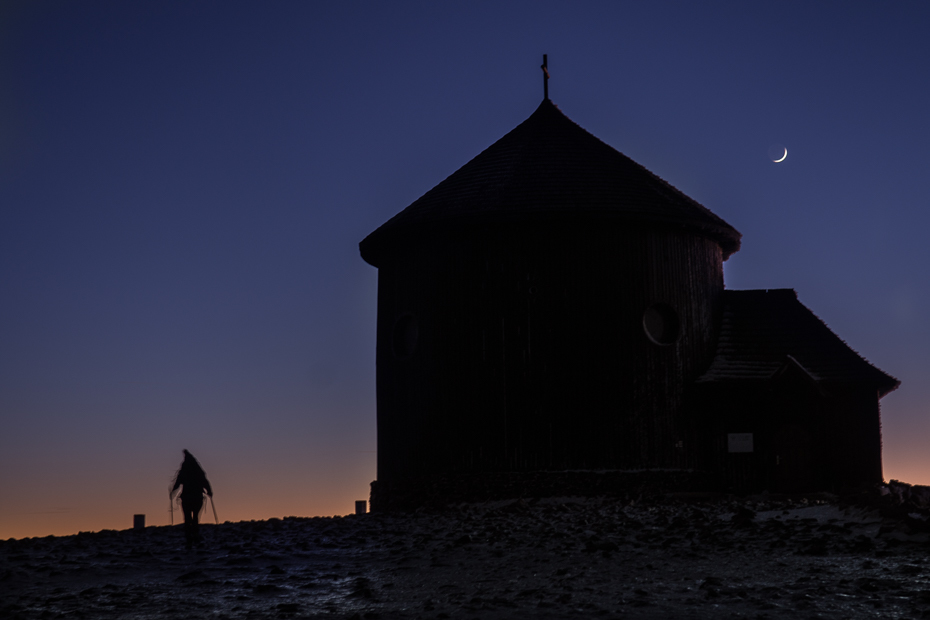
782 157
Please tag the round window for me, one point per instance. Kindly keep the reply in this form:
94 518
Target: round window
660 322
405 335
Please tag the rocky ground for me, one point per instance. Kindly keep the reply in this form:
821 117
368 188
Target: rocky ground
802 557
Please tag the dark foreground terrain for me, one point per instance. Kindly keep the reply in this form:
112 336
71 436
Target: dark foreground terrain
549 558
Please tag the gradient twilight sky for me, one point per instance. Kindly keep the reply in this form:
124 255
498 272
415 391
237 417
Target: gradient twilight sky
183 187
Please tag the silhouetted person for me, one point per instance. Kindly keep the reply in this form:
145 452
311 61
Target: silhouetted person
194 482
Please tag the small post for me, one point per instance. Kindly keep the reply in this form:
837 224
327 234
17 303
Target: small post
361 506
138 522
545 68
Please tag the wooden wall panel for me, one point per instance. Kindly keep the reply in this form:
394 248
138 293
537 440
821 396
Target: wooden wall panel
531 352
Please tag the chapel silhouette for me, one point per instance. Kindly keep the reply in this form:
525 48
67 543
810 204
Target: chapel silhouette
553 306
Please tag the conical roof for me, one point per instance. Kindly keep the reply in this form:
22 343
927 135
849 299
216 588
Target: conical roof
549 167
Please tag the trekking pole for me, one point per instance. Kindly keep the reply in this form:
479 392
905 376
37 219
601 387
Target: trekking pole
213 506
171 507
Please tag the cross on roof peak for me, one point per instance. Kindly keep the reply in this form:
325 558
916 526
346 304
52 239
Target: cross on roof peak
545 69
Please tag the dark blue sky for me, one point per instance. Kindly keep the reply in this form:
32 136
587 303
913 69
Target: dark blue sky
183 188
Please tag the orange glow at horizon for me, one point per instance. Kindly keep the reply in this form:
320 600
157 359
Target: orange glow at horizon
253 500
117 513
254 485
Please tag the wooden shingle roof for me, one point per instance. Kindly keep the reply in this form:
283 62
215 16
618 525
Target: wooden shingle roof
549 167
763 330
